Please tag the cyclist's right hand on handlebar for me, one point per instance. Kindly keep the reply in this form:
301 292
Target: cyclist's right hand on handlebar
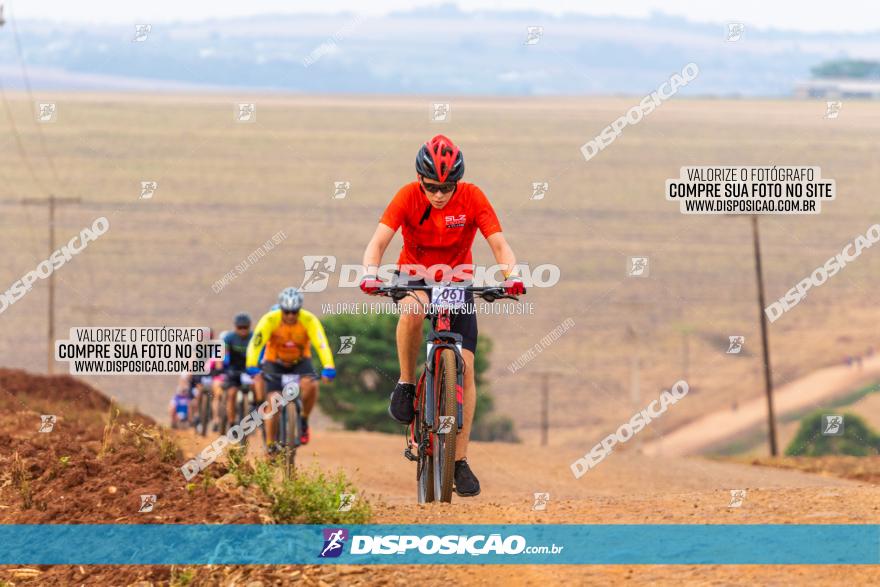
514 286
370 284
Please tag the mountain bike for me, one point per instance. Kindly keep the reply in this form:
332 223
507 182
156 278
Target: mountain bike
290 428
244 403
439 406
205 406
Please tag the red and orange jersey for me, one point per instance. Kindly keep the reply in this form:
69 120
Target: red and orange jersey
444 236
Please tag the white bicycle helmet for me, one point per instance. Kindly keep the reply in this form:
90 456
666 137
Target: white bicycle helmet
290 299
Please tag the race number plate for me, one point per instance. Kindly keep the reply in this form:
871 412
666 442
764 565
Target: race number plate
448 297
290 385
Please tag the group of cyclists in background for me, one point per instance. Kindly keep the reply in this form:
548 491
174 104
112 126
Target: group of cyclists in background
256 362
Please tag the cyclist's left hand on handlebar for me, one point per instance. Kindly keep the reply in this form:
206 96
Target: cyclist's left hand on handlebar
514 286
370 284
328 374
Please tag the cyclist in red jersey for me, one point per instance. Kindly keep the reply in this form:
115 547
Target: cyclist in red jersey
439 216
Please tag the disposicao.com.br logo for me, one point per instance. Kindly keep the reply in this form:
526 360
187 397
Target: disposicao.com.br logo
431 544
319 270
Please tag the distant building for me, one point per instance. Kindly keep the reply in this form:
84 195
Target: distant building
838 88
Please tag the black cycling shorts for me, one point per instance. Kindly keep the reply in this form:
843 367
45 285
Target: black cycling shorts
463 322
273 371
232 379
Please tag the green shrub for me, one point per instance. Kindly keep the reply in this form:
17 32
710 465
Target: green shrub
313 497
182 577
857 438
310 497
358 398
494 428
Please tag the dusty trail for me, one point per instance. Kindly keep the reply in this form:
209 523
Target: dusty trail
811 390
625 488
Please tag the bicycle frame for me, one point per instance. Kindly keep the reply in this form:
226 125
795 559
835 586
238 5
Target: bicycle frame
441 337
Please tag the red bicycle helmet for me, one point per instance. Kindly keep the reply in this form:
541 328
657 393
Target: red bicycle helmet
441 160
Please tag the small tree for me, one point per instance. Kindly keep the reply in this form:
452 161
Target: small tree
857 438
365 377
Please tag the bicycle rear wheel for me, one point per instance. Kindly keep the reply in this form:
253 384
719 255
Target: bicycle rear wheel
444 444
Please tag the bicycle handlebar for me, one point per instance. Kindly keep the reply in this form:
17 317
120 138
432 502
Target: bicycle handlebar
489 293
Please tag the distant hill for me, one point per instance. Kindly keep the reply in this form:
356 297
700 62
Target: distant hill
437 51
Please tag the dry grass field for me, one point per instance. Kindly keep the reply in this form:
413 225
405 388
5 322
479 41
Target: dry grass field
225 187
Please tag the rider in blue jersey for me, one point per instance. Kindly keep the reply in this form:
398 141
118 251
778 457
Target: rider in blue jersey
235 344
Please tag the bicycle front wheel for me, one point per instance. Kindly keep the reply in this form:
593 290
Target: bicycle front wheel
242 409
444 443
205 411
293 433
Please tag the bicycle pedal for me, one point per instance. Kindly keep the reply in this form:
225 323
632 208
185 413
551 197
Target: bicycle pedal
409 455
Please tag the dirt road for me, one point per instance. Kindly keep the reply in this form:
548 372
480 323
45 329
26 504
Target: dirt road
625 488
809 391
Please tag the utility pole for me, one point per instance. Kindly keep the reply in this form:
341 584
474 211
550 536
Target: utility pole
545 408
52 201
635 362
768 379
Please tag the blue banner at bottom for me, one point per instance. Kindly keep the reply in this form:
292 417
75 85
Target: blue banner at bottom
606 544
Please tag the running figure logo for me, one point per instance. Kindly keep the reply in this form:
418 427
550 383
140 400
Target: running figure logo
447 423
246 112
539 190
318 270
737 497
147 503
334 540
141 32
736 344
638 267
47 112
735 31
534 34
832 425
47 422
340 189
346 345
541 500
832 109
346 500
441 112
148 188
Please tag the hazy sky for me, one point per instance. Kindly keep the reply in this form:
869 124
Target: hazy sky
840 15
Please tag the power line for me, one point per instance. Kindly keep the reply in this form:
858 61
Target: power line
27 85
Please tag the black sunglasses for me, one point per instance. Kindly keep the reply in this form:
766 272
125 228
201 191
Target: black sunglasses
245 327
446 188
290 311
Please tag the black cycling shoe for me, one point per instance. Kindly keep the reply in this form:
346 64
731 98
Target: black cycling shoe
401 408
466 483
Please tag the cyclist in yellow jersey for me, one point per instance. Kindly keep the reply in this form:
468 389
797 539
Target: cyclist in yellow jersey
281 345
